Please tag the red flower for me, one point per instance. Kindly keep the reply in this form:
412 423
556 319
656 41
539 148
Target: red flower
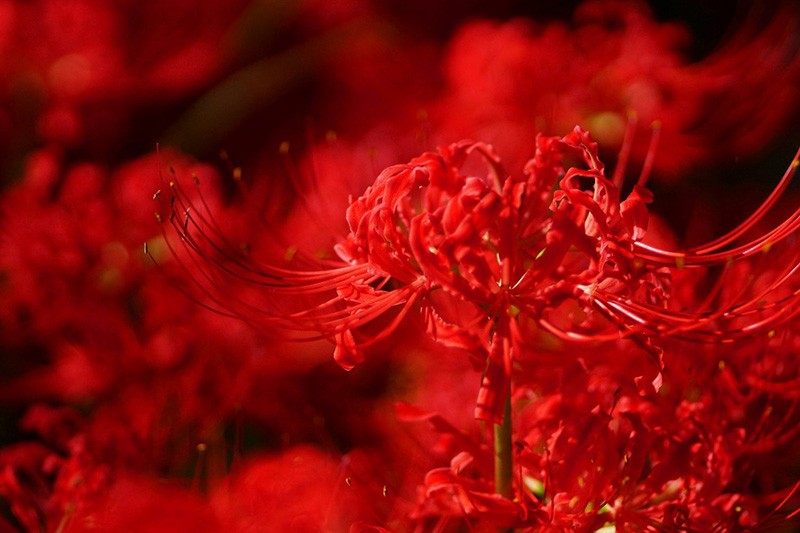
435 232
509 252
614 59
500 265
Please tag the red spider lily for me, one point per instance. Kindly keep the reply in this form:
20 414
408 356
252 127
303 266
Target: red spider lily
507 252
47 482
501 89
488 241
592 451
499 266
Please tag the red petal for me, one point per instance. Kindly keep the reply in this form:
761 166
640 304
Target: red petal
347 353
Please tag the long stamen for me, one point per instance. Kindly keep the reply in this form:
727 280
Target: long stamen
652 150
756 216
279 281
703 254
625 151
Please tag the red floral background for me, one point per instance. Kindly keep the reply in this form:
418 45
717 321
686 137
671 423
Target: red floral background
209 322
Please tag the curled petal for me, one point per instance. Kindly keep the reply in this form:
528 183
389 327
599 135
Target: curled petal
347 353
634 212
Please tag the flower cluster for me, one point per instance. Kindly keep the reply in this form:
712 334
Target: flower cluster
506 269
620 59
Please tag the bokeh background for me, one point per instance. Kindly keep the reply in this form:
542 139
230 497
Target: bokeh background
118 392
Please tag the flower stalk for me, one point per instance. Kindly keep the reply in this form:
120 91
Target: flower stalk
503 463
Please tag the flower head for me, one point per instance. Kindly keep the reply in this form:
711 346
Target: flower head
487 258
443 232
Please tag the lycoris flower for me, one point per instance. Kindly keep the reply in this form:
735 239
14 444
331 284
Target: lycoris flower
485 255
493 264
433 233
502 245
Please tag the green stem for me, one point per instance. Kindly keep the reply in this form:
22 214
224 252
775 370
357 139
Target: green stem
503 465
502 454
